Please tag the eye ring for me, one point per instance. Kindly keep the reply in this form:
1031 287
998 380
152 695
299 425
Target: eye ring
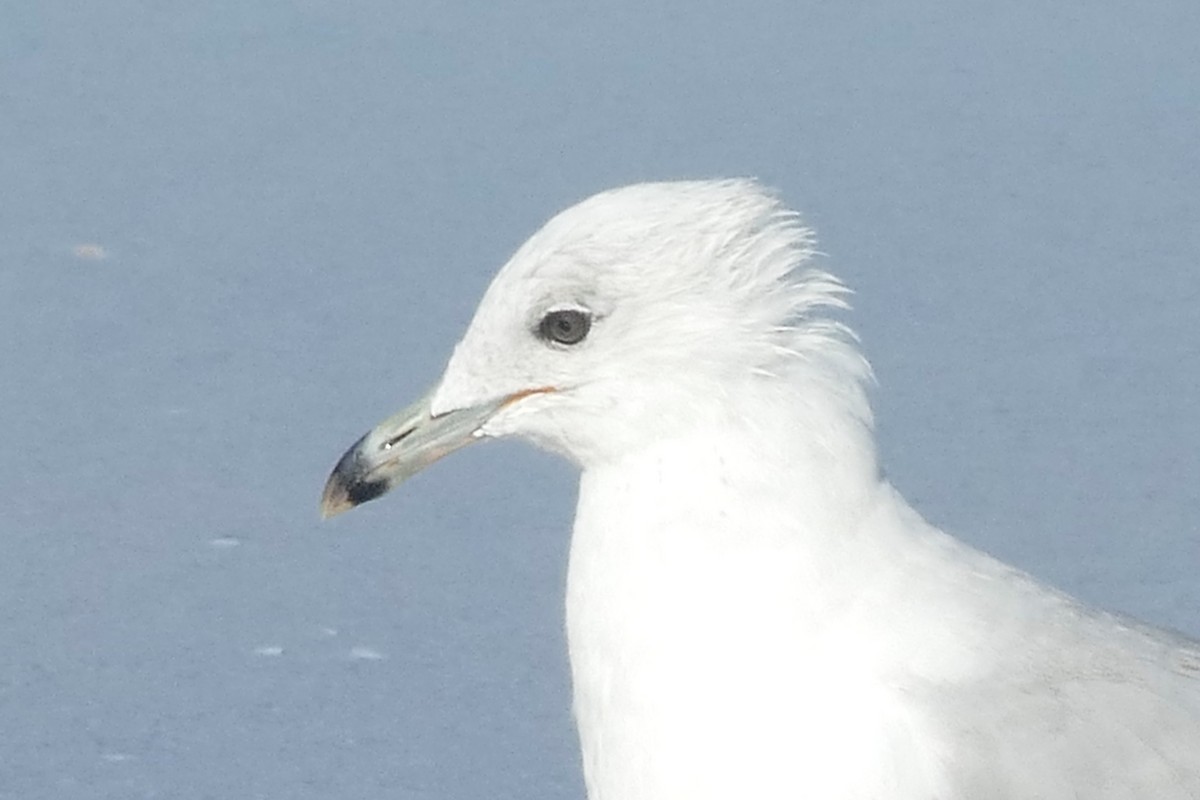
566 326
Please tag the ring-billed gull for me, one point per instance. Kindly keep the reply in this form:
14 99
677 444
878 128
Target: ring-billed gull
752 610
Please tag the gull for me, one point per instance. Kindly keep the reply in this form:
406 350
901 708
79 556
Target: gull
752 610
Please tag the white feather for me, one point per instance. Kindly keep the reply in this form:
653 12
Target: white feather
752 611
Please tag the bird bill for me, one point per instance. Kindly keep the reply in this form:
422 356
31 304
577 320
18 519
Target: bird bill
398 448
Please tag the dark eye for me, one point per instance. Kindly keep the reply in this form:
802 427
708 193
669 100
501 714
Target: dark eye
565 326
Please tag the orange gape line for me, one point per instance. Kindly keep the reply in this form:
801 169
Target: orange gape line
521 395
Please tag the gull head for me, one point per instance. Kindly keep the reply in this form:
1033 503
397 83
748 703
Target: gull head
628 317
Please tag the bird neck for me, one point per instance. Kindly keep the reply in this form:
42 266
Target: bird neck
805 462
689 558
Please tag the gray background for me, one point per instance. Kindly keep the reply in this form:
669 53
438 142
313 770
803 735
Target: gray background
235 235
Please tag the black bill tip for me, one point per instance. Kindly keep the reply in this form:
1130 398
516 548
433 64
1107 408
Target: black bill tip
349 485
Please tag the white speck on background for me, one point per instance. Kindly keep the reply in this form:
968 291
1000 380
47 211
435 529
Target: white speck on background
366 654
89 251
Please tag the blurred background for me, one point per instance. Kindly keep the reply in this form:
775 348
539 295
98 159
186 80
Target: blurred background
234 236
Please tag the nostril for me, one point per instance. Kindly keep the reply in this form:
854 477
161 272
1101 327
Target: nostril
395 440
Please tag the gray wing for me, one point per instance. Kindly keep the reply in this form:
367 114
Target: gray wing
1096 708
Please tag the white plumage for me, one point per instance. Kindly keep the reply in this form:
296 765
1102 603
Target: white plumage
752 611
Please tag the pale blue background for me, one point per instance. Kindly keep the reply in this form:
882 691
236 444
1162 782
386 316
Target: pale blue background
301 204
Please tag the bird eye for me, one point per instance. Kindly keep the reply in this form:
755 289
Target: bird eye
565 326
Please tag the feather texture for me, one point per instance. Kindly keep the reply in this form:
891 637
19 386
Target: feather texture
752 611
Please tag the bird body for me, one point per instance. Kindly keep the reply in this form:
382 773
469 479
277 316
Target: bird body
879 659
752 610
